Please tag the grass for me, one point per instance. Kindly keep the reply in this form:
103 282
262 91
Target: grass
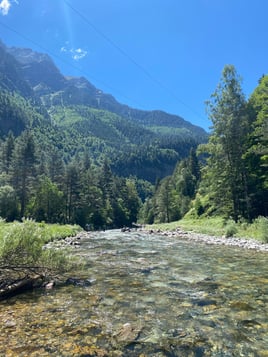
49 232
56 231
22 253
217 226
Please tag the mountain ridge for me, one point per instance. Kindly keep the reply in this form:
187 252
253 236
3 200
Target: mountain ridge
70 115
54 88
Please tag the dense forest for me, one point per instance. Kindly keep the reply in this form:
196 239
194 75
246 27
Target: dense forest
72 154
228 175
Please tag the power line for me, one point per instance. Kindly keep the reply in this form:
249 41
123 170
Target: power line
125 54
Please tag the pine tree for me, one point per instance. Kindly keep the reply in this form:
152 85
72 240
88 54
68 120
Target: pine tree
7 151
72 189
23 169
227 145
48 202
257 153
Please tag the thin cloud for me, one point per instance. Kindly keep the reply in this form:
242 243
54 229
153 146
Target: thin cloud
76 54
5 6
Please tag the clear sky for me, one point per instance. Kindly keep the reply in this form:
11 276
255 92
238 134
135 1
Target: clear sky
149 54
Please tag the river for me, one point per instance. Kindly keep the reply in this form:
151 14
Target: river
146 295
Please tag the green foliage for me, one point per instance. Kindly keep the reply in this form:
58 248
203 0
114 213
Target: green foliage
226 169
261 224
213 226
218 227
47 203
8 203
132 148
21 248
74 156
22 245
198 206
230 229
173 195
23 168
256 156
234 179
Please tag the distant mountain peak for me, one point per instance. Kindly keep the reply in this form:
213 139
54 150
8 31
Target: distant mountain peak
54 88
27 55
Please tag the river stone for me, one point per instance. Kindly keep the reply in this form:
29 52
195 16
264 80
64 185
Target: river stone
9 323
50 285
78 282
240 305
205 302
127 333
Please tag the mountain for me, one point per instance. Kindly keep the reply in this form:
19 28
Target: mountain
56 89
11 78
73 116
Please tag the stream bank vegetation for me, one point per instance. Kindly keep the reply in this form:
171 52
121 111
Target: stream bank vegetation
54 174
222 187
59 174
24 260
219 227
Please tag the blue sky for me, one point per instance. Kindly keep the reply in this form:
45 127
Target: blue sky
149 54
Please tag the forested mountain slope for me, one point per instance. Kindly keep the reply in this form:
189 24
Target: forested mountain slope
56 89
77 117
71 153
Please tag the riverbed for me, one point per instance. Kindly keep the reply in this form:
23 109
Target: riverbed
141 294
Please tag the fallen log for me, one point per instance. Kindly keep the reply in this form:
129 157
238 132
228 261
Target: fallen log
20 285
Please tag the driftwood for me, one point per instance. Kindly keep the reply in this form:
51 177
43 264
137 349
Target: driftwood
16 279
9 288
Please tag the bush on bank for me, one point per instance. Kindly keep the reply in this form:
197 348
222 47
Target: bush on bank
217 226
22 253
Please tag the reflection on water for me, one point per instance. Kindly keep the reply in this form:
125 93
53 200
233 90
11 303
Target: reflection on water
149 296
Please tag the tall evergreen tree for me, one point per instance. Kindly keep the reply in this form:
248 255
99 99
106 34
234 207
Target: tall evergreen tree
72 189
56 168
7 151
257 153
24 168
227 146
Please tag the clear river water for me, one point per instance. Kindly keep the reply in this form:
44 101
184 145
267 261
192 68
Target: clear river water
145 295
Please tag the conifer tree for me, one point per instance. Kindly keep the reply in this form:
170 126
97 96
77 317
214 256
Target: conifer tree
227 146
7 151
24 168
257 153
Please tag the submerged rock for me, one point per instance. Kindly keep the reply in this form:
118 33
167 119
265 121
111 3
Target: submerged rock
127 334
50 285
79 282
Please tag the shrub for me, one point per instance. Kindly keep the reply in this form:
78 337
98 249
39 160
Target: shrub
230 229
21 247
262 226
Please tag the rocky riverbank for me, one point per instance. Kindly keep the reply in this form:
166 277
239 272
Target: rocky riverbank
244 243
204 238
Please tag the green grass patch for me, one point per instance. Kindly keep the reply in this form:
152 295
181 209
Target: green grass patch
22 252
217 226
52 232
211 226
48 232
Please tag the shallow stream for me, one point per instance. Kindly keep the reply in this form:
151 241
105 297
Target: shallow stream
146 295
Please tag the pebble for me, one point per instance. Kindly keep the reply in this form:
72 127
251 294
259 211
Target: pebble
230 241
